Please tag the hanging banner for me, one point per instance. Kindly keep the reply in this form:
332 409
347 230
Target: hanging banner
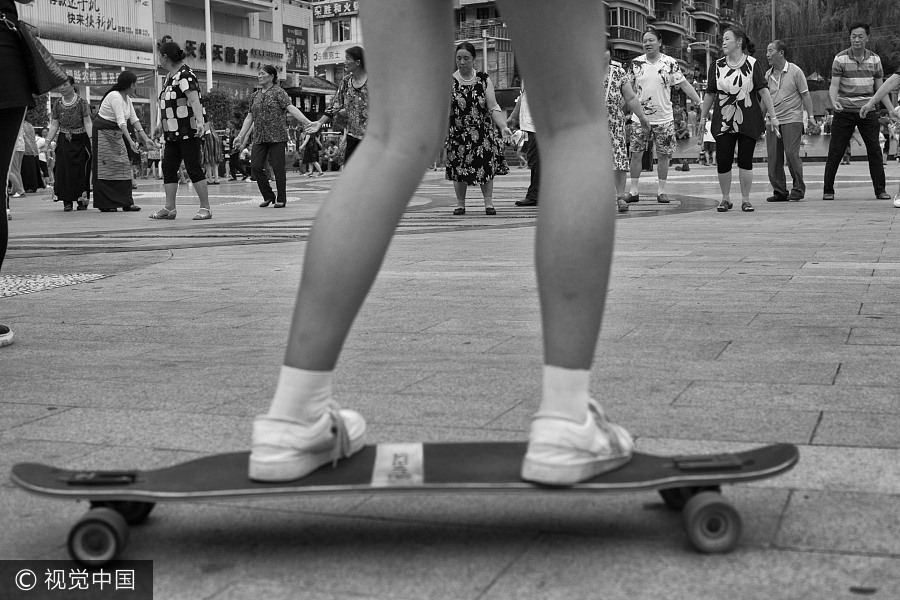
124 24
296 41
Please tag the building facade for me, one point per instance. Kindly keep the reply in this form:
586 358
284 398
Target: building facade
691 30
335 29
95 41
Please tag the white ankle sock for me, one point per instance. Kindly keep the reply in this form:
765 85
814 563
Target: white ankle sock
565 393
662 186
302 395
634 186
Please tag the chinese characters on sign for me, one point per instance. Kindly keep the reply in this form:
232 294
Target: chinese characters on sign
296 40
231 55
89 14
335 9
93 76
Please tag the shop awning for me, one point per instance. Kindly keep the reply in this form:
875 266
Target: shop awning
307 84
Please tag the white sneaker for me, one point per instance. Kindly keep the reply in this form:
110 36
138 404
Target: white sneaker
562 452
897 201
284 449
6 336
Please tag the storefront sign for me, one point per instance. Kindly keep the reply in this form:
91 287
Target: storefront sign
252 58
296 40
122 24
335 9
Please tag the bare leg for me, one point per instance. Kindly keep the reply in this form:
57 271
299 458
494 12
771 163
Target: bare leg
460 187
619 178
171 192
487 191
203 193
349 239
570 439
725 185
745 176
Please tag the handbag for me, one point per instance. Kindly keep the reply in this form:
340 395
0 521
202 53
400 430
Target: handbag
46 74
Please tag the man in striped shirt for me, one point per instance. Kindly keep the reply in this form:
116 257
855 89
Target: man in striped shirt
855 75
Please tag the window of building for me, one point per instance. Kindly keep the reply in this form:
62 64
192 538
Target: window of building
460 16
630 18
612 17
265 30
340 31
319 33
483 14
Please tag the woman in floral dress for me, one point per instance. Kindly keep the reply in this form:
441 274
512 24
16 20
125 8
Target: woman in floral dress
474 149
619 95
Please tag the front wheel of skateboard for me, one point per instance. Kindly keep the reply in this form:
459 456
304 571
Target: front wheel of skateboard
134 512
98 537
713 525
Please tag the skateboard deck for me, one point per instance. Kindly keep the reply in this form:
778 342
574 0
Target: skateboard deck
124 497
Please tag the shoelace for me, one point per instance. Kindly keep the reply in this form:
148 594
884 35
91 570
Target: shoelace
603 423
341 437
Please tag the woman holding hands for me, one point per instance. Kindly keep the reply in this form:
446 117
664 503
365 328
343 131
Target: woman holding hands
737 85
113 147
474 150
269 108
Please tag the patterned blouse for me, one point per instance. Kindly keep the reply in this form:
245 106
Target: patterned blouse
178 119
268 108
737 107
71 118
356 102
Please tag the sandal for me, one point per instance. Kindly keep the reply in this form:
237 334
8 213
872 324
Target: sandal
490 210
164 213
459 210
724 205
203 214
747 207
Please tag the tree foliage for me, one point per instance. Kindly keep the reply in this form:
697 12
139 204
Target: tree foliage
816 30
38 115
219 107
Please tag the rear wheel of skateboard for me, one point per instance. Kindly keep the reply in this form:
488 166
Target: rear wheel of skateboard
713 525
134 512
676 498
98 537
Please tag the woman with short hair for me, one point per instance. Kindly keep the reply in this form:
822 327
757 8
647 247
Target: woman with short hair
183 120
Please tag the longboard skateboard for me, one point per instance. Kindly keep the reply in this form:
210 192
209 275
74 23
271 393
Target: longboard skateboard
122 498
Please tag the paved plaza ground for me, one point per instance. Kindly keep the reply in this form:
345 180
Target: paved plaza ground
141 343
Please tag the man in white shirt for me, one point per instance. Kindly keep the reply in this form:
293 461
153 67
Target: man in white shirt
526 124
653 75
790 95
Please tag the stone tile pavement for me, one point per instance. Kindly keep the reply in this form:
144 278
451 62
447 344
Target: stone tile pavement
722 331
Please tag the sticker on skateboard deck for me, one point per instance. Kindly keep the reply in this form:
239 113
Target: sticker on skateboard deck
121 498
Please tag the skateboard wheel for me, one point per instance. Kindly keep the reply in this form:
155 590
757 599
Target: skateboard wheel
134 512
676 498
98 537
713 525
